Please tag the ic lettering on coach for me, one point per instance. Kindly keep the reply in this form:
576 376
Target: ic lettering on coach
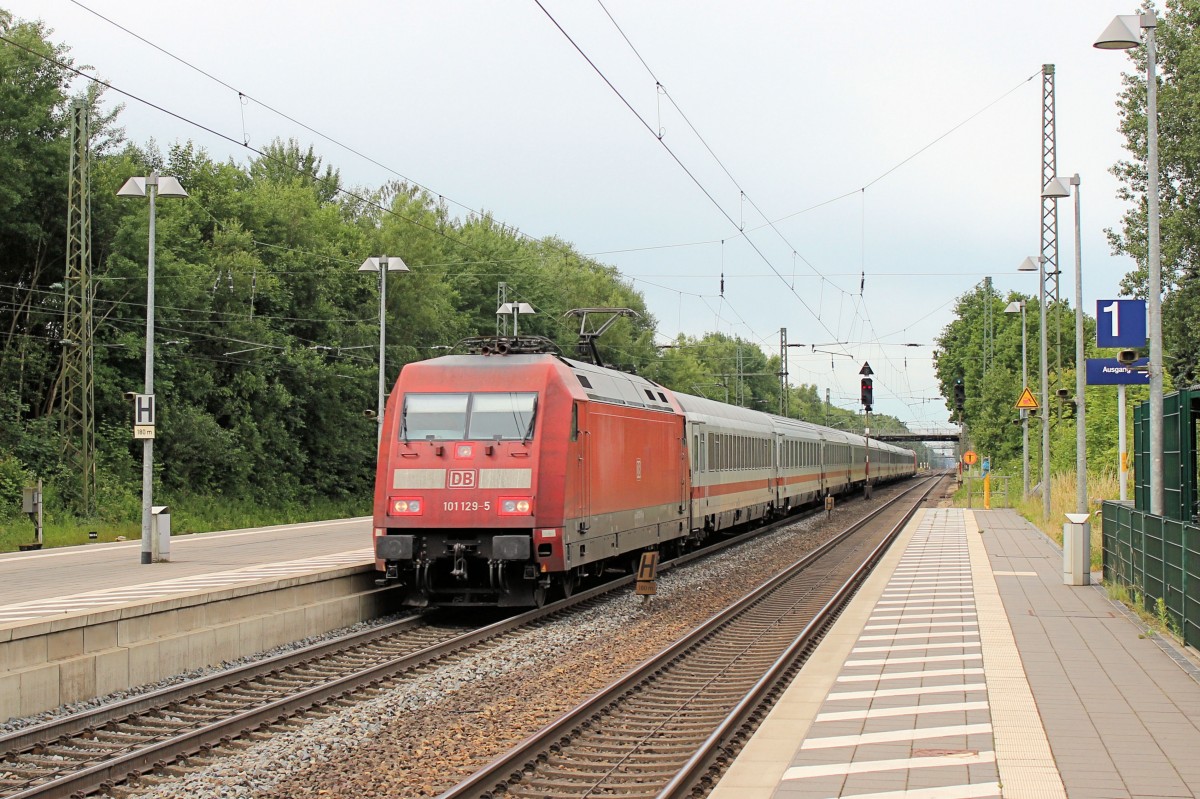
462 478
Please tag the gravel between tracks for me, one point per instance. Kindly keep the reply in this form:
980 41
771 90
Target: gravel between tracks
420 739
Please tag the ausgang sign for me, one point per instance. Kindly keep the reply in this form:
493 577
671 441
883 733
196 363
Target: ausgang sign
1110 372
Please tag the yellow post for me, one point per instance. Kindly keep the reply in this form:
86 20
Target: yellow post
987 492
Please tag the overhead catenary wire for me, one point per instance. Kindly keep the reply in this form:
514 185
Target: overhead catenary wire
823 277
703 189
743 197
232 140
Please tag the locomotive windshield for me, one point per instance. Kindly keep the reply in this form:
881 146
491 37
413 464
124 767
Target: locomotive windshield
467 417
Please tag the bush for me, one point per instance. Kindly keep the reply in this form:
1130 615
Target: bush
13 478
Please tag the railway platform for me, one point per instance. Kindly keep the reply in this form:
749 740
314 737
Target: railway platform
965 668
79 622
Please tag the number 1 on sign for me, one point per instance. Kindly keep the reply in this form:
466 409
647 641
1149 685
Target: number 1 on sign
1116 318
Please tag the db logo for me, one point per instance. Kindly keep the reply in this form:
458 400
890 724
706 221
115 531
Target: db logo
462 478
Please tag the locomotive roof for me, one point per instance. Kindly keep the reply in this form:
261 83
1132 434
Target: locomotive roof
623 388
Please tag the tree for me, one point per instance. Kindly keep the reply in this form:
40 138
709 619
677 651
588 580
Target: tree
1178 64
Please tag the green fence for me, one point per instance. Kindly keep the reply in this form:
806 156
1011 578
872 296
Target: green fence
1157 557
1181 412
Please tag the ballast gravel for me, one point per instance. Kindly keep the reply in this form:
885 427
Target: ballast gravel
422 737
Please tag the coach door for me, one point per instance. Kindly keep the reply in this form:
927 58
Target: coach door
700 446
580 440
822 464
777 483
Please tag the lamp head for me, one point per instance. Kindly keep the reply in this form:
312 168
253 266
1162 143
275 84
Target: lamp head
386 263
134 187
167 186
1030 264
1016 306
1055 188
1123 33
170 187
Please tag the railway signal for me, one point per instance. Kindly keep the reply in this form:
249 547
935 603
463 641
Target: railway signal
868 390
960 395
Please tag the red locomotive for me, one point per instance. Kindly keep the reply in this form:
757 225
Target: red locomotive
509 473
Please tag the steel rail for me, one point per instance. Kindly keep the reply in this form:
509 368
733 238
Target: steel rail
155 755
508 767
697 767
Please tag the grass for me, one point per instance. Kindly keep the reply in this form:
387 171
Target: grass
1161 620
188 515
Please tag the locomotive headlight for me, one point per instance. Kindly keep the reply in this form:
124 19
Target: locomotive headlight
515 506
405 506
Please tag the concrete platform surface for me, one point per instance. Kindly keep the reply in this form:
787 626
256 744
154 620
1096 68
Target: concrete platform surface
965 668
54 573
81 622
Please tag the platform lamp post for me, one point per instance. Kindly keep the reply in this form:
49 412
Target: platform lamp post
1029 265
151 186
516 309
1124 33
1059 188
1018 306
383 264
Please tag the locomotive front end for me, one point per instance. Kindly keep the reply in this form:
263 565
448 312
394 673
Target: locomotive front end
458 495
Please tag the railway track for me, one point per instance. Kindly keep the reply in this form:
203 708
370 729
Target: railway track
669 728
151 734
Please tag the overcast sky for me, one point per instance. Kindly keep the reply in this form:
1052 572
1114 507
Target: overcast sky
925 123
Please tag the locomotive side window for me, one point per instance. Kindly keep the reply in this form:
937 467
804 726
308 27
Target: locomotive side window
575 421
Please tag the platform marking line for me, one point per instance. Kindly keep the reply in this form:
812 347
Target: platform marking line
981 790
926 605
903 573
912 636
967 687
898 613
946 595
925 594
912 710
930 602
910 675
915 647
893 736
1024 759
874 627
907 661
867 767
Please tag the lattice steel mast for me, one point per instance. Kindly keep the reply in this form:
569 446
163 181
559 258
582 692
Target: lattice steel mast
78 403
1050 206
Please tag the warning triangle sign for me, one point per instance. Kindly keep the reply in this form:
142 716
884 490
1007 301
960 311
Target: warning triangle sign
1027 402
